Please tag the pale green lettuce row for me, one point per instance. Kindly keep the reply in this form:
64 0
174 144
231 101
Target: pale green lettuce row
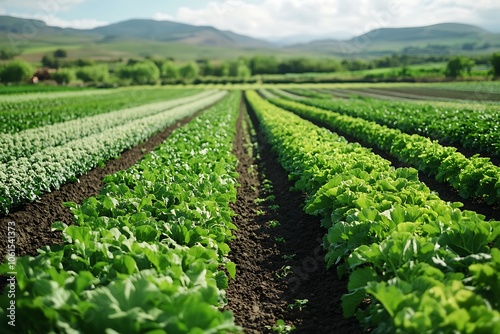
475 128
16 98
26 179
33 113
28 142
145 256
471 177
425 265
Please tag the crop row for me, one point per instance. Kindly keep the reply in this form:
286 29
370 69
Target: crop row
25 179
146 255
475 128
471 177
415 263
28 142
16 116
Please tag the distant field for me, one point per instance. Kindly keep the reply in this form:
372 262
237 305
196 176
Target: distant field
88 47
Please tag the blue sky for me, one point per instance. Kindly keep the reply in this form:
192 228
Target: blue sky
265 18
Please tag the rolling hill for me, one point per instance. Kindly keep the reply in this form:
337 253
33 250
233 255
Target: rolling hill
445 38
166 31
169 39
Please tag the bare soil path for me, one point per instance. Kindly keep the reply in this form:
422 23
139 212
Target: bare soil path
278 265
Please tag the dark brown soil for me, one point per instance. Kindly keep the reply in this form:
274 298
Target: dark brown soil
258 297
33 221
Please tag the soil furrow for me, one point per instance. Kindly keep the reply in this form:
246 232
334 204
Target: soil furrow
278 265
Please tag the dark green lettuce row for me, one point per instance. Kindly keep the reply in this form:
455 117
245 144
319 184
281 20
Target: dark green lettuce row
415 263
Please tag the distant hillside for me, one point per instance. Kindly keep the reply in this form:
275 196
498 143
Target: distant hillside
169 39
166 31
445 38
438 32
28 27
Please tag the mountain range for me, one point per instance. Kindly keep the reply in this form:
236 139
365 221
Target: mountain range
140 37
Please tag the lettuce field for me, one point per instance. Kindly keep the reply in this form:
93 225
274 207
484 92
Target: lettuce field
274 210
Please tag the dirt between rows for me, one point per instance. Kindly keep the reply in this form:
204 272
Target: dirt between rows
33 221
267 283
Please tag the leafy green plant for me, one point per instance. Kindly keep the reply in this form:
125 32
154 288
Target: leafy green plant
284 272
260 212
267 186
474 177
273 224
274 207
472 127
289 258
281 327
280 240
298 304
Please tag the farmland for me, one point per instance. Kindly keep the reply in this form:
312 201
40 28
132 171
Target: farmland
219 209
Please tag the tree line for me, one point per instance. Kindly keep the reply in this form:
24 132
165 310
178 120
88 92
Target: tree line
152 70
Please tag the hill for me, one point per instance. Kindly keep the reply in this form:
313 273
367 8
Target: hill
165 38
166 31
439 39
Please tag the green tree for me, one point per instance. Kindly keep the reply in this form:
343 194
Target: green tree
242 70
495 63
95 73
457 65
264 65
60 53
16 71
84 62
169 70
6 54
141 73
64 76
50 61
189 71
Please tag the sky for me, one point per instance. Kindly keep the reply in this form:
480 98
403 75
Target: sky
269 19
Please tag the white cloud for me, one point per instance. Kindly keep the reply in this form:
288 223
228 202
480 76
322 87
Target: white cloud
49 11
335 18
77 24
163 17
55 21
47 6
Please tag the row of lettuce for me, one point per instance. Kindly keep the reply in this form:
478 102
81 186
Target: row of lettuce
32 110
474 126
149 254
72 150
26 143
472 177
415 263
